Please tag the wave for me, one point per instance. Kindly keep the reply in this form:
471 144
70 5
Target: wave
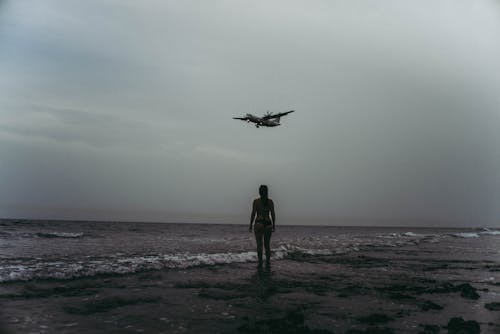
484 231
59 234
26 269
4 234
488 231
65 268
465 235
410 238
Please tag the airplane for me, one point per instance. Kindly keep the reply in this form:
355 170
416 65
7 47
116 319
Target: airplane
269 119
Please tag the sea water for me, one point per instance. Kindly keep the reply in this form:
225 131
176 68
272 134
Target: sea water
72 249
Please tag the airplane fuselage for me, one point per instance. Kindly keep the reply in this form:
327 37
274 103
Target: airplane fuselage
268 120
262 122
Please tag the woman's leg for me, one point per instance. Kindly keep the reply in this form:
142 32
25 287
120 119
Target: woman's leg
267 243
259 233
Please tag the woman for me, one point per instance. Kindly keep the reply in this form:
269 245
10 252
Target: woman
264 225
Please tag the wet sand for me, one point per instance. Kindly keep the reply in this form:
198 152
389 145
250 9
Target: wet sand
386 290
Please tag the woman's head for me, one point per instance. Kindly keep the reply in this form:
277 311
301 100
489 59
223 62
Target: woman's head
263 192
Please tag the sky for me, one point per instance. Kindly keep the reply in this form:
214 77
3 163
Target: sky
122 110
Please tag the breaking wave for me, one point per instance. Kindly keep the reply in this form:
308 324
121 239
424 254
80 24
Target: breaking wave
59 235
69 235
484 231
465 235
488 231
25 269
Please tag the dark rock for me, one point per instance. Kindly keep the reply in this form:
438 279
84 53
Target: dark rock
375 318
467 291
291 323
430 329
445 287
492 306
107 304
459 326
371 330
400 296
429 305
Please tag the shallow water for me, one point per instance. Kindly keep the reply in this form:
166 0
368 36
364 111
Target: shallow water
66 249
174 278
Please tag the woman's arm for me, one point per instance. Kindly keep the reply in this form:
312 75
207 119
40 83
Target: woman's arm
273 216
252 216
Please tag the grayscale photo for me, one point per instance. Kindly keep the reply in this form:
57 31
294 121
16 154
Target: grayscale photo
248 167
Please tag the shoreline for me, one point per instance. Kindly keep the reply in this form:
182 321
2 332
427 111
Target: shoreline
389 290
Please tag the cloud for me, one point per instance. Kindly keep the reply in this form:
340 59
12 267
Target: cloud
95 129
397 106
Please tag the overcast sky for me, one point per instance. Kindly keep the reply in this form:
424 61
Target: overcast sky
122 110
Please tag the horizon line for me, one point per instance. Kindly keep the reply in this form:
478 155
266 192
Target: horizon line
241 224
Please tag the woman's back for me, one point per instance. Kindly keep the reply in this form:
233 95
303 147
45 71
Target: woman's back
263 209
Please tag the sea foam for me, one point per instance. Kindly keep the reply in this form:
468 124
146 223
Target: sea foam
119 263
488 231
59 235
122 261
465 235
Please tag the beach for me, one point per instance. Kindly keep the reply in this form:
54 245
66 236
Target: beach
139 141
446 286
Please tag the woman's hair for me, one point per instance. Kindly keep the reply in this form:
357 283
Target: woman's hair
263 194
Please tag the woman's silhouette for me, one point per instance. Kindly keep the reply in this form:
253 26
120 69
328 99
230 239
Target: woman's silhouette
264 224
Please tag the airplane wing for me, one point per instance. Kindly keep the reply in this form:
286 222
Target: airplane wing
242 118
277 115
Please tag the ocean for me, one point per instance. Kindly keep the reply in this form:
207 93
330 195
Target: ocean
71 249
184 260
